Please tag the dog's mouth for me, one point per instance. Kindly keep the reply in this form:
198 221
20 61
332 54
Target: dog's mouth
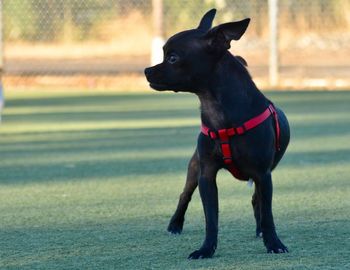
159 86
162 87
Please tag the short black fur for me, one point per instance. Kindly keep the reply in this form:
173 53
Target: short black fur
198 61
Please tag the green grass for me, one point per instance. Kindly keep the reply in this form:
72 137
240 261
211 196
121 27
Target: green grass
90 180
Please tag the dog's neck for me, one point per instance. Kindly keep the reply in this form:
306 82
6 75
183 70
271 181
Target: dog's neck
230 97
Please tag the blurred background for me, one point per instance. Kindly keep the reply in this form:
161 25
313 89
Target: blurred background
90 171
108 43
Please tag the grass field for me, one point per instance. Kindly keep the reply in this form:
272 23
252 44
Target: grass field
90 180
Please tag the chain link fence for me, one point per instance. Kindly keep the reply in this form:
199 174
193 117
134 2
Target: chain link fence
107 43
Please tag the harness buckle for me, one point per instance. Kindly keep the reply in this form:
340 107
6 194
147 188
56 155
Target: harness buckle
227 160
272 109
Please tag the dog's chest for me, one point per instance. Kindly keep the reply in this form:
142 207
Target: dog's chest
212 113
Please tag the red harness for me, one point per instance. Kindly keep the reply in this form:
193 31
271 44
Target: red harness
224 136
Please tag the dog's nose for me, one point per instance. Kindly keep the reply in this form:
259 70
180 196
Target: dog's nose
147 71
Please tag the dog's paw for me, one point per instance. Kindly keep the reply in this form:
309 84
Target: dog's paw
282 249
275 245
202 253
175 227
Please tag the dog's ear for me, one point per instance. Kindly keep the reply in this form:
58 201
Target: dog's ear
207 20
222 34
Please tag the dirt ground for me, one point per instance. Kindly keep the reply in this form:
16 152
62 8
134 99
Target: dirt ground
299 68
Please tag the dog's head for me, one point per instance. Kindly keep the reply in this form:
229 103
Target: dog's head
190 56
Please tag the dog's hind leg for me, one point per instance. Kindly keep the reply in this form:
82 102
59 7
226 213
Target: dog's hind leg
177 220
256 208
264 189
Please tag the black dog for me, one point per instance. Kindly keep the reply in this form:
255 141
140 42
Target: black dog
241 129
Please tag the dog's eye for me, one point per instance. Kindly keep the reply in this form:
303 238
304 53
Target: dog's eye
172 58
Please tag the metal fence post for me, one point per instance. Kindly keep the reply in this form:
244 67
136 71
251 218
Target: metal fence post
1 39
68 22
2 99
273 47
157 40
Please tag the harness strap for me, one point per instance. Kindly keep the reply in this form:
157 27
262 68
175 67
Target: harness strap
277 126
224 135
250 124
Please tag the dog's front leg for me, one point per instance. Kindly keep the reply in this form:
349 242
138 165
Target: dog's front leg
272 242
209 195
177 220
